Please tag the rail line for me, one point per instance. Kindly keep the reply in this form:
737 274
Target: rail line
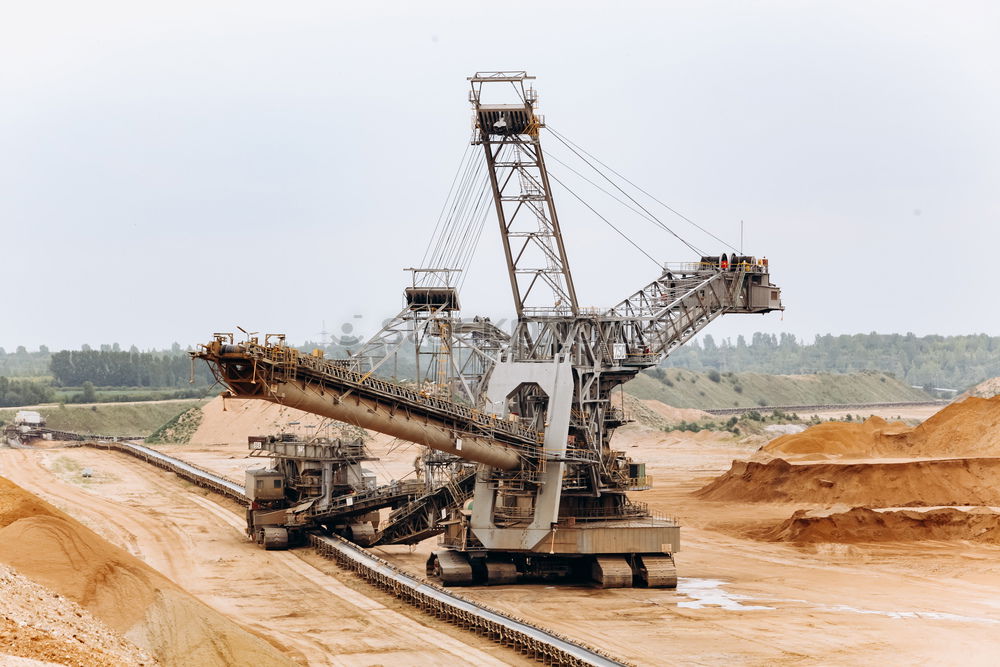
824 407
521 635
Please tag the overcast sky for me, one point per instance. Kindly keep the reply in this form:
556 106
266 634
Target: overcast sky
172 170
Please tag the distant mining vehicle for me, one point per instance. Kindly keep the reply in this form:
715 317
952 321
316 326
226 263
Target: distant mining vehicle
28 420
316 485
28 425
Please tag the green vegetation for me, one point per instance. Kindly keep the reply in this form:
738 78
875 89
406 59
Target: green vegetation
22 363
23 392
112 419
108 374
688 389
180 428
749 423
120 368
955 362
129 394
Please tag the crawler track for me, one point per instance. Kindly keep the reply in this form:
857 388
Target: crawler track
523 636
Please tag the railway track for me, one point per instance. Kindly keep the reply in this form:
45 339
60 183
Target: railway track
521 635
829 406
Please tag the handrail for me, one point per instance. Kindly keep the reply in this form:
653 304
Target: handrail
323 369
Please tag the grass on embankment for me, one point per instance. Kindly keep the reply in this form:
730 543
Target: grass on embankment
687 389
138 419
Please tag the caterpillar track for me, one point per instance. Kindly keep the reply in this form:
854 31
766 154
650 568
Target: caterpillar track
523 636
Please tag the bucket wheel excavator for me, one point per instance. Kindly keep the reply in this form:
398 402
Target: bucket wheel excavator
532 407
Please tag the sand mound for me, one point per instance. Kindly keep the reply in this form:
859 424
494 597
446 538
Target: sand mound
861 524
231 420
36 624
925 483
64 556
969 428
837 438
674 415
985 389
56 554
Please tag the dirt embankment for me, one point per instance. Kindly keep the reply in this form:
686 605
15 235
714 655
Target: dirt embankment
952 458
985 389
57 552
861 524
39 625
970 428
232 420
923 483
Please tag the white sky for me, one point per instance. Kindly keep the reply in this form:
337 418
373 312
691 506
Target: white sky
174 170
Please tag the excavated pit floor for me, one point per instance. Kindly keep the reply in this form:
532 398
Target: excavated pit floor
742 598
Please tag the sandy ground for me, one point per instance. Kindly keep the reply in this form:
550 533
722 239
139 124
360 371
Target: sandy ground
317 614
743 600
740 600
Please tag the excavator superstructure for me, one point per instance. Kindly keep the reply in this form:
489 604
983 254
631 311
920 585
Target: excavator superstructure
533 407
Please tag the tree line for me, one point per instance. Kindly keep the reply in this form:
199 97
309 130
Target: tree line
954 362
120 368
14 393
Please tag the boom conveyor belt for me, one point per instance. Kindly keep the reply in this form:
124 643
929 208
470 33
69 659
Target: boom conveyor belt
281 374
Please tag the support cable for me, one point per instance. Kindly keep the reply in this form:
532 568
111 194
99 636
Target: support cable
606 221
454 180
642 215
680 215
456 212
617 187
446 238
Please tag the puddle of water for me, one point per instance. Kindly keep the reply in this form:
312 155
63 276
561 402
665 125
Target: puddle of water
709 593
935 615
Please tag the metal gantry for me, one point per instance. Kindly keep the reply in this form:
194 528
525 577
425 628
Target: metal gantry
529 226
604 348
534 408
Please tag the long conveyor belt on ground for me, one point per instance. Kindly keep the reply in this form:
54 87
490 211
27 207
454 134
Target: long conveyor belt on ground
523 636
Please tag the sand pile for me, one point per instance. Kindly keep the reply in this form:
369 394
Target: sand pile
671 414
38 624
860 524
838 438
924 483
985 389
231 420
968 428
64 556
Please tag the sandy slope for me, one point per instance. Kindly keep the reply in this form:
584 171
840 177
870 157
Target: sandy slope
968 428
41 625
198 543
58 552
877 484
